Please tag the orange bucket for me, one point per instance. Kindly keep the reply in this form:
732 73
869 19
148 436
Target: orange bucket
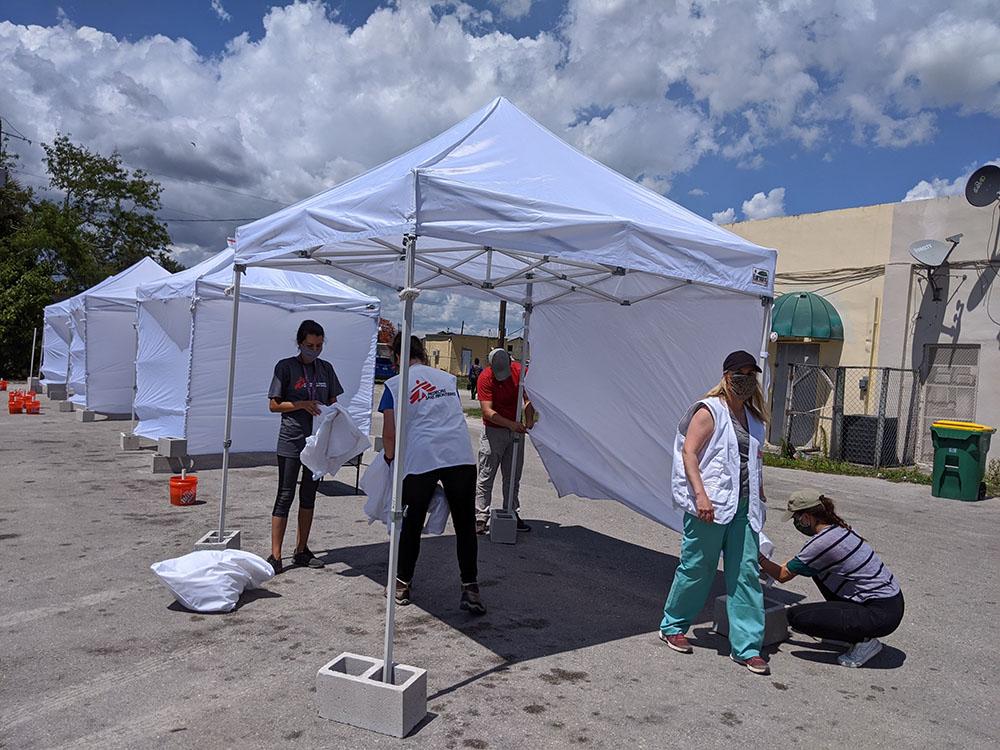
183 490
33 407
16 405
3 385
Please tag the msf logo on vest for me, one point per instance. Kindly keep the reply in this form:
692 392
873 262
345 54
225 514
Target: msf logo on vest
423 391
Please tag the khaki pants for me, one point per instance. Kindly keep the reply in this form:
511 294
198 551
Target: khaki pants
496 450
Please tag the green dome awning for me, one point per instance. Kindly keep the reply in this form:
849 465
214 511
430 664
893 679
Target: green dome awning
806 315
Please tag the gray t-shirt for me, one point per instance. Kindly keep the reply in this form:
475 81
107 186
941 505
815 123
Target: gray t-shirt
743 441
295 381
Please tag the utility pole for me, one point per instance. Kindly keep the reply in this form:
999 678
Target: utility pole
502 327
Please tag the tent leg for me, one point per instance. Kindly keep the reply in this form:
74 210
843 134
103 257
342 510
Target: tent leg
34 339
408 295
765 340
227 440
519 440
135 377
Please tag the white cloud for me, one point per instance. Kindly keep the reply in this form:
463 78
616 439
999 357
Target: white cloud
724 217
514 8
698 192
937 187
762 206
220 11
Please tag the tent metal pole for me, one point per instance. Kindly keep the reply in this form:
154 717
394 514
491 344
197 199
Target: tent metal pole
768 303
401 406
34 339
135 375
227 440
519 440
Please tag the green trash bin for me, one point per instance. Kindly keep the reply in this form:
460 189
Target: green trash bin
960 451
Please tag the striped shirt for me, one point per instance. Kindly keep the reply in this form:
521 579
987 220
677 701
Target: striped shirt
846 564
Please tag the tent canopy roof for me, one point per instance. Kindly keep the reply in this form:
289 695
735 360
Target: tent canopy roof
212 278
498 201
140 272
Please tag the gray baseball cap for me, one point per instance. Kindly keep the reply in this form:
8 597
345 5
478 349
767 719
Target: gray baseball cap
802 500
500 362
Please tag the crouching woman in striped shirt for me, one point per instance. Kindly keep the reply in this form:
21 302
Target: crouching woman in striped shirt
863 600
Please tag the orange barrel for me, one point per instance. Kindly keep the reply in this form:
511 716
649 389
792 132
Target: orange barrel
183 490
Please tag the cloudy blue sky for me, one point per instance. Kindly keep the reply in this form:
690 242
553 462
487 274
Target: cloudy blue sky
736 109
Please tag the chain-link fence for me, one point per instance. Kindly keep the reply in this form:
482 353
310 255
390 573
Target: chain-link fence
861 415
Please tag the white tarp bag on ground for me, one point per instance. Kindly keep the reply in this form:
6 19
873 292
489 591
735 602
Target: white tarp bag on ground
212 580
377 485
334 442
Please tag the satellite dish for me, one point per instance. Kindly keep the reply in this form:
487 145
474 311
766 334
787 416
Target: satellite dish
983 187
930 253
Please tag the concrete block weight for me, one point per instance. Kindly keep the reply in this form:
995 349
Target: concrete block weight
172 447
350 690
503 526
775 620
231 539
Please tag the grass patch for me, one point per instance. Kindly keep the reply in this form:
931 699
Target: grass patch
474 412
823 465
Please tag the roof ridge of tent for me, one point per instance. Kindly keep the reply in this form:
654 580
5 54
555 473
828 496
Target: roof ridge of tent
441 155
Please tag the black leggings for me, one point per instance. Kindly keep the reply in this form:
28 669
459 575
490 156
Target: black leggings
289 468
840 619
460 489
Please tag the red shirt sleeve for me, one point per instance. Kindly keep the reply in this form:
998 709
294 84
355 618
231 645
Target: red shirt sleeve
484 386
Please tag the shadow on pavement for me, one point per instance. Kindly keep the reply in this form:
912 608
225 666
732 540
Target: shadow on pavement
245 598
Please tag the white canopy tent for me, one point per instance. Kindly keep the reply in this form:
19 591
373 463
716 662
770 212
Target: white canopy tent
636 299
103 343
184 321
57 333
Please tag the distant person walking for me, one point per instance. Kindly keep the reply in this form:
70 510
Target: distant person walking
300 385
474 372
437 450
498 388
863 598
717 481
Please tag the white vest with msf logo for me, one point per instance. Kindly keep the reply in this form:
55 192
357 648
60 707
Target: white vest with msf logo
436 432
720 466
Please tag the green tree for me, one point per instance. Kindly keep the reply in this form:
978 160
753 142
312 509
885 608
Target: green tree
50 250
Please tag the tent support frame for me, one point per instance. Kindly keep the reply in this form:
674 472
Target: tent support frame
238 271
401 405
519 439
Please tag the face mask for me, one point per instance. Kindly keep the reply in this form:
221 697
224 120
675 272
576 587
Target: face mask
743 385
802 527
308 355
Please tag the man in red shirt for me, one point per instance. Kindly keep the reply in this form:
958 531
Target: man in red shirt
497 390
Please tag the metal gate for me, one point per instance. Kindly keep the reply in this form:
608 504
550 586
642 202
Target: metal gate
861 415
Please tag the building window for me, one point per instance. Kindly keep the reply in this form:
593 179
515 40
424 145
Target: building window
950 374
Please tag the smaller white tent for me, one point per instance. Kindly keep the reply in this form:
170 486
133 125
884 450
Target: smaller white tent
102 347
57 333
183 356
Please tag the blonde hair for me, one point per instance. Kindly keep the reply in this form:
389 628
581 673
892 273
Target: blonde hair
755 403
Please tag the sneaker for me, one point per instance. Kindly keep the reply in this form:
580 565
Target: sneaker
275 563
482 527
470 599
755 664
678 642
402 593
860 653
521 525
308 559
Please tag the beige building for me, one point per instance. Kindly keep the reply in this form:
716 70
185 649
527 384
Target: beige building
946 332
454 352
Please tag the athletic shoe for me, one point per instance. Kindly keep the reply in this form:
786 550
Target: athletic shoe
860 653
678 642
308 559
521 525
482 527
276 564
402 593
470 599
755 664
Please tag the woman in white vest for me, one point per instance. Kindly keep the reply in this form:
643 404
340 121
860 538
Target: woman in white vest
718 483
438 449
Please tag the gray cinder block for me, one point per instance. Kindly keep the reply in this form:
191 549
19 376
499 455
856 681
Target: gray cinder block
230 540
503 526
775 620
86 416
350 690
172 447
56 391
129 442
66 406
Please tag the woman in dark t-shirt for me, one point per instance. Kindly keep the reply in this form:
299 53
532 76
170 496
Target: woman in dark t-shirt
301 384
